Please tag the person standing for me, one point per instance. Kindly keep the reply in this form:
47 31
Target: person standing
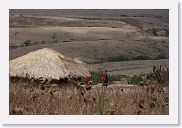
105 78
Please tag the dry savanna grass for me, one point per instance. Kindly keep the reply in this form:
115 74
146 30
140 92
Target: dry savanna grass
68 100
50 47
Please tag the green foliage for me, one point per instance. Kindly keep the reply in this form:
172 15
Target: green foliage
118 58
115 77
97 77
135 80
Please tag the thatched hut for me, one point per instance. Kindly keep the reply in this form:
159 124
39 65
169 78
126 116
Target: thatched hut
47 64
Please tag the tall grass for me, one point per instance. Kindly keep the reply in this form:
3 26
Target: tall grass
160 74
97 101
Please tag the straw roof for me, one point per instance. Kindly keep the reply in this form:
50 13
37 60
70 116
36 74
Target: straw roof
47 63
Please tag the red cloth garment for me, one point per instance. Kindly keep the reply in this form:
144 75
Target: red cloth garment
87 79
103 75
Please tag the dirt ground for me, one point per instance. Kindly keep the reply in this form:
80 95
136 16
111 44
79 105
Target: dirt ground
94 36
130 68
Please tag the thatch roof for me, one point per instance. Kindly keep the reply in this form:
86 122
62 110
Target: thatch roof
47 63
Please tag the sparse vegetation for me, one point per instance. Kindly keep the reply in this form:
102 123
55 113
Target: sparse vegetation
153 31
135 80
150 99
103 39
161 56
142 57
118 58
27 43
97 77
158 31
161 74
116 77
54 35
129 58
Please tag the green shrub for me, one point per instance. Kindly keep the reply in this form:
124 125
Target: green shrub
118 58
135 80
141 58
115 78
97 77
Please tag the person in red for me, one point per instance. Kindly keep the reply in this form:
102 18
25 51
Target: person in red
105 78
87 80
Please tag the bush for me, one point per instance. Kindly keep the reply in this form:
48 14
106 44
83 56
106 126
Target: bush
141 58
115 78
118 58
54 35
97 77
152 31
135 80
161 56
161 74
27 43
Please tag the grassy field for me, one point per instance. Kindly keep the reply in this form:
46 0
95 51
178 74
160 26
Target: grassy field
125 42
114 100
92 35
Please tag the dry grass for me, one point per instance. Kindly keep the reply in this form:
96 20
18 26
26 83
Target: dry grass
114 100
161 73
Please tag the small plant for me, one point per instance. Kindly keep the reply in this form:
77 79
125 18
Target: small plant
154 32
161 74
27 43
135 80
115 78
53 35
97 77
